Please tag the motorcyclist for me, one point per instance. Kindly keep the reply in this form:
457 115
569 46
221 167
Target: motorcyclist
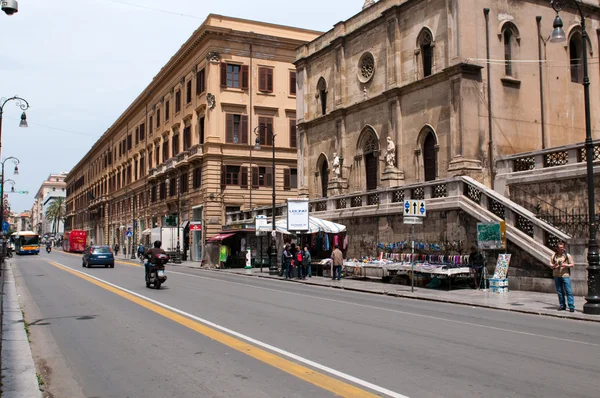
48 246
151 255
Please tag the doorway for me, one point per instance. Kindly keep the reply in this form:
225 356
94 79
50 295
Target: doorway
430 157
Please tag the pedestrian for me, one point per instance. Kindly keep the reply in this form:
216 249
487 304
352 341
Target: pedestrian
306 260
476 261
116 249
294 263
338 260
561 263
287 262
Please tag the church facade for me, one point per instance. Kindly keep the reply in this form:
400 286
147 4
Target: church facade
410 91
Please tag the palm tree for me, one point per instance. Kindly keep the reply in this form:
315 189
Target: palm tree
56 212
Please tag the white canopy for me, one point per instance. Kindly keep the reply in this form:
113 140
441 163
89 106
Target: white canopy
315 225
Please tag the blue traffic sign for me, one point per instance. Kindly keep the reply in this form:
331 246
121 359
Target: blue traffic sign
5 227
129 234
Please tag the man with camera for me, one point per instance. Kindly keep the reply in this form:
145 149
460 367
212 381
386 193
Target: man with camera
561 264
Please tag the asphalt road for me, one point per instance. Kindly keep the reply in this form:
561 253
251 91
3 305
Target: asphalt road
275 339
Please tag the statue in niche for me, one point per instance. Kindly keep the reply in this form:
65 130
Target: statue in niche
390 153
336 165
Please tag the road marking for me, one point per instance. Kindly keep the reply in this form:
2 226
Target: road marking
116 259
321 299
224 336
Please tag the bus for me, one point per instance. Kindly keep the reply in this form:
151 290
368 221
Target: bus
74 241
26 242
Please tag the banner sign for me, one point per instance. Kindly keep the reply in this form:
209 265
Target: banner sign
491 236
297 217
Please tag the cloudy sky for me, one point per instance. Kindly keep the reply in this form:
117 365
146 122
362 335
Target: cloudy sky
80 63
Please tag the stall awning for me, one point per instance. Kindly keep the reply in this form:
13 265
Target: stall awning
220 237
147 231
184 224
315 225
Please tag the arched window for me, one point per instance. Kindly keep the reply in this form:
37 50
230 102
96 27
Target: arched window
371 154
576 57
323 168
426 46
507 52
322 90
430 156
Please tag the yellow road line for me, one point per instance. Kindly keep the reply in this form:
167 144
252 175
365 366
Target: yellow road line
321 380
116 259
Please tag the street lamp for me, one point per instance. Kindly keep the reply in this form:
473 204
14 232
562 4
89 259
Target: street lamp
273 256
592 305
21 103
256 147
16 162
177 260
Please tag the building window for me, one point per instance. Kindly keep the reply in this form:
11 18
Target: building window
157 155
172 186
167 110
184 182
370 150
576 57
265 79
149 159
232 175
142 166
163 190
430 157
293 134
264 176
426 46
188 92
129 142
157 118
187 138
135 170
507 53
153 194
201 128
366 67
177 101
292 83
175 145
234 76
137 136
142 132
265 125
150 125
197 178
200 81
236 129
290 178
322 90
165 150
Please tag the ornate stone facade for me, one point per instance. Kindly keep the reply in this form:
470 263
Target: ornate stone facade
417 72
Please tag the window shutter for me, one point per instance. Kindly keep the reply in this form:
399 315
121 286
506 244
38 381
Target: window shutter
244 177
229 128
223 171
255 177
223 74
286 179
293 83
269 79
269 124
245 75
244 129
262 81
269 176
293 136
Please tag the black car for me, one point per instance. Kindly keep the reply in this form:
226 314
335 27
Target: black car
98 255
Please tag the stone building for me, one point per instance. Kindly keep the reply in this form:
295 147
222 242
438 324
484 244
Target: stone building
184 147
402 92
54 187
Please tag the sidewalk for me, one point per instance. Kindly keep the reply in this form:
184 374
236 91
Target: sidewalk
517 301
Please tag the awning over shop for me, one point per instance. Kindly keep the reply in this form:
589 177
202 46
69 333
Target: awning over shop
184 224
146 232
220 237
315 225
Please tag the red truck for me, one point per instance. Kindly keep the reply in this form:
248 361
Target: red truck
74 241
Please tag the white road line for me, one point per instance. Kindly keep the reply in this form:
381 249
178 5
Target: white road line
259 343
320 299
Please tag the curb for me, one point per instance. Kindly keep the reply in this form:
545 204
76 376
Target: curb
19 378
431 299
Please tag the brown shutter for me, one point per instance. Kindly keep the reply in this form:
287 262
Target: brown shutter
286 179
223 74
262 81
269 79
293 136
269 124
269 176
223 170
293 83
245 75
244 128
229 128
255 173
244 177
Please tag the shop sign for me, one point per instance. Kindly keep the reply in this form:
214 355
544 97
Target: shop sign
297 217
196 226
412 220
261 223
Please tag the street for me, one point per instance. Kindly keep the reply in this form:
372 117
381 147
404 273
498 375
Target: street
101 333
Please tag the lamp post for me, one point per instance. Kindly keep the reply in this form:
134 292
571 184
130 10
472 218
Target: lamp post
21 103
177 225
133 223
273 254
16 162
592 305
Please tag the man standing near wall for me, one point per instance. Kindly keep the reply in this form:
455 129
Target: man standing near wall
338 261
561 263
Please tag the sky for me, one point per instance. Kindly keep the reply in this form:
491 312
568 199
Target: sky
80 63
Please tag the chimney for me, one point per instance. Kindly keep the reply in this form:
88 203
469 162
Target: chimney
368 3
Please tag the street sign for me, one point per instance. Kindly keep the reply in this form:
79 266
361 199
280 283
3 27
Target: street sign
196 226
260 223
5 227
415 208
412 220
129 234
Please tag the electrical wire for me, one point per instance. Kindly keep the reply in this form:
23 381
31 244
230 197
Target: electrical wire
57 128
155 9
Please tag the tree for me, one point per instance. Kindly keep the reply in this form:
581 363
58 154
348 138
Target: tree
56 212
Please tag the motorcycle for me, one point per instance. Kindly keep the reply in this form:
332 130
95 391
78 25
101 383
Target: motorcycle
48 249
156 275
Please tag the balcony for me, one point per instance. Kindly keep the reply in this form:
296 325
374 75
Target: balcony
195 153
152 174
182 159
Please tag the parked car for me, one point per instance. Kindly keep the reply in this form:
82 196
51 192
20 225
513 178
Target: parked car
98 255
